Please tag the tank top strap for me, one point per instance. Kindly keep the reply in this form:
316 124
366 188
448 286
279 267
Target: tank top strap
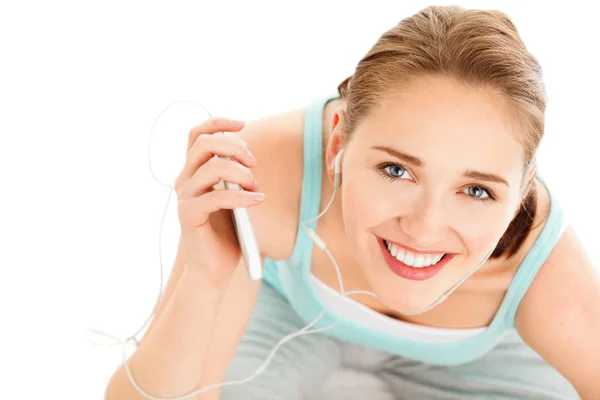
311 179
551 233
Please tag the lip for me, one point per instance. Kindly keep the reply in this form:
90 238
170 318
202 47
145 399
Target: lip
412 273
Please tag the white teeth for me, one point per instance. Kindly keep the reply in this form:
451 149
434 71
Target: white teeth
409 258
419 260
414 260
400 255
428 260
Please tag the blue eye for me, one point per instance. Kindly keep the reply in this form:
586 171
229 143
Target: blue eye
479 194
476 193
395 171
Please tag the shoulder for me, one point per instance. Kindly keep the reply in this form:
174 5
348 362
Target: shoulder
276 142
559 316
567 282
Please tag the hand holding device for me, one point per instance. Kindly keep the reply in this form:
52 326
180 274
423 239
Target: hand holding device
210 218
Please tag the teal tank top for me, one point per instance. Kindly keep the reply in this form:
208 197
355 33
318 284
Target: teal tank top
291 277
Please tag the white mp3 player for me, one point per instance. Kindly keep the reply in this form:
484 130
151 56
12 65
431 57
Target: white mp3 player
246 237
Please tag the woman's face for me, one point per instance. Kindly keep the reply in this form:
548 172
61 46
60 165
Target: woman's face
436 168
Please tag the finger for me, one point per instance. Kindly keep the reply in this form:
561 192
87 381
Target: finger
211 173
213 125
194 212
207 146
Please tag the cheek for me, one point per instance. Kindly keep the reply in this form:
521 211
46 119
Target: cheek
364 208
485 231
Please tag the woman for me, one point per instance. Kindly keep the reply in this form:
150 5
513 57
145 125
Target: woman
439 126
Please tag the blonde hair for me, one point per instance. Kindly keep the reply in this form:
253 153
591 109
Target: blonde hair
477 48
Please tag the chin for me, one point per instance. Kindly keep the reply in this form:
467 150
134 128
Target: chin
402 297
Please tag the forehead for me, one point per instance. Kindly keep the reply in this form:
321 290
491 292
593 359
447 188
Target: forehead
446 123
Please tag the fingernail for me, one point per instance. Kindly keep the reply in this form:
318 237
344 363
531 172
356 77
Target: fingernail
257 197
253 159
255 188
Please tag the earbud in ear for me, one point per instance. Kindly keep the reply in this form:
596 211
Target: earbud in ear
337 170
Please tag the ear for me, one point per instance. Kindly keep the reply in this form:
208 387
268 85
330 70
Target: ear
335 142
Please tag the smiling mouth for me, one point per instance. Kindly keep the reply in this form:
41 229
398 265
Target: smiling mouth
412 258
410 265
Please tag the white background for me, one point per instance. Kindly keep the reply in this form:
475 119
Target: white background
80 85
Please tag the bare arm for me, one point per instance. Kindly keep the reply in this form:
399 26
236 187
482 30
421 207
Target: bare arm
176 272
170 359
196 330
198 327
560 315
238 301
234 313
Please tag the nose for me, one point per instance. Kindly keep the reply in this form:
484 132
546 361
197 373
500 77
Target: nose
425 223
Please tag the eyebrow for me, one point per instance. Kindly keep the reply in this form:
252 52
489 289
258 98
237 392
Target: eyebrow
472 174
